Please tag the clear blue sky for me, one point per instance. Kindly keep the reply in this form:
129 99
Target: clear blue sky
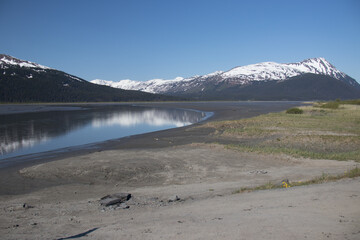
142 40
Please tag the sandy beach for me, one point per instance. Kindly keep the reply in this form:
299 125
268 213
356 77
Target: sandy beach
57 196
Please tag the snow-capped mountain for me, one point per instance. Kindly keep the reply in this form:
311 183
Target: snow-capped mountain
240 76
151 86
24 81
312 79
278 71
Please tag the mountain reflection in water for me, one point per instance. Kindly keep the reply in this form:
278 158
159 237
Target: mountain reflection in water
27 133
152 117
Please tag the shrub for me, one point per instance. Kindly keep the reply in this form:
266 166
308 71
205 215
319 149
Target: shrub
331 105
294 111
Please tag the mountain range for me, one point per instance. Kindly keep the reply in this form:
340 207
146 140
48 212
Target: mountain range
24 81
311 79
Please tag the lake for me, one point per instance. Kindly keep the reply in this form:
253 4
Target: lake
29 133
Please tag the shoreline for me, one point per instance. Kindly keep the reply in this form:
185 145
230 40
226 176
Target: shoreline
226 110
179 136
62 194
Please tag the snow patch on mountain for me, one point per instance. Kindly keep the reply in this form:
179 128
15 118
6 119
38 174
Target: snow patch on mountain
73 77
211 74
5 59
261 71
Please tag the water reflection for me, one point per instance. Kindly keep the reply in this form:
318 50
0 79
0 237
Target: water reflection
152 117
37 132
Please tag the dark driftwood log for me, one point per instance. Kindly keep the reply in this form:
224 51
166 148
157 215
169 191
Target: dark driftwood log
116 198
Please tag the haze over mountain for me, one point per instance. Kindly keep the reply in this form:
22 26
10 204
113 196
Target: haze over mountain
310 79
24 81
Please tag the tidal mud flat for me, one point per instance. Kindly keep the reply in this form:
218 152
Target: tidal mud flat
60 198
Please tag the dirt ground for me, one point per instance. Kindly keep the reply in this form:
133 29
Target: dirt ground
60 199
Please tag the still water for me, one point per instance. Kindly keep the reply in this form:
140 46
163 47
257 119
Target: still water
28 133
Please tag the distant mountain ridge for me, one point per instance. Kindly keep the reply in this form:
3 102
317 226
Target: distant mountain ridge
311 79
221 85
24 81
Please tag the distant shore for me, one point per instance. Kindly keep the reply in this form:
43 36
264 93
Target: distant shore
18 108
32 108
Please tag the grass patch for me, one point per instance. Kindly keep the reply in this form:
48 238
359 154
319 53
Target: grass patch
346 120
294 111
331 105
295 152
318 133
353 101
286 184
266 186
335 104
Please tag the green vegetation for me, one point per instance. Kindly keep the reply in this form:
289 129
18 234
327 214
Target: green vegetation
355 172
354 102
294 111
335 104
286 184
318 133
266 186
341 156
331 105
